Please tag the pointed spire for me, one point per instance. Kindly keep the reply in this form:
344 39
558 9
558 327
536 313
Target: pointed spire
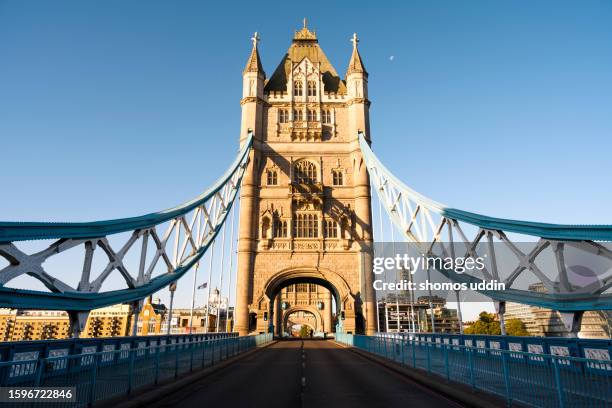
254 61
356 65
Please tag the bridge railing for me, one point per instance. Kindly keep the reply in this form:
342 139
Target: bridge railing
35 349
537 380
597 349
104 374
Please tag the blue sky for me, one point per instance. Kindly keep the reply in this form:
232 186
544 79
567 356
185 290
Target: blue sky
111 109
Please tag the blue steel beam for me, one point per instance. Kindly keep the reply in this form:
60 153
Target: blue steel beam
21 231
210 210
423 221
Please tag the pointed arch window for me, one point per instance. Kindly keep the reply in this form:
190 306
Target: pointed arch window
280 228
298 115
331 229
305 172
312 115
326 116
312 88
283 116
298 88
265 228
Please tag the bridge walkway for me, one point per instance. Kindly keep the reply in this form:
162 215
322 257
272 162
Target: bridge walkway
328 375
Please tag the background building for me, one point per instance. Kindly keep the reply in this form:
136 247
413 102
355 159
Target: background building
109 321
394 313
33 325
151 318
18 325
543 322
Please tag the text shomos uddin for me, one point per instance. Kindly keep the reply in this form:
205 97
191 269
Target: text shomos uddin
439 286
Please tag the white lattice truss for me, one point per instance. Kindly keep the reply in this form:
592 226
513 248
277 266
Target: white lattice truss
430 226
178 243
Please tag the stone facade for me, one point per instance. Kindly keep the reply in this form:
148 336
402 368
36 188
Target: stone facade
305 211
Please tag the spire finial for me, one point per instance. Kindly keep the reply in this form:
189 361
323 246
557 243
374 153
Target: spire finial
255 39
305 22
355 40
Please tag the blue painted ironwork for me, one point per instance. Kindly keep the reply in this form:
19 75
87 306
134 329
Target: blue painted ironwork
100 373
591 349
425 222
555 381
218 199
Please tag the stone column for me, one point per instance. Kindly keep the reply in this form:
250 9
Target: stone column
278 315
246 252
327 313
363 230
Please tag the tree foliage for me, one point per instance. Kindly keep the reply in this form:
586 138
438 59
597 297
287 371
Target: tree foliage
516 327
486 324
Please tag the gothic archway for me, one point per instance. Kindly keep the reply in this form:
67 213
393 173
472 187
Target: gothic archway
345 300
318 326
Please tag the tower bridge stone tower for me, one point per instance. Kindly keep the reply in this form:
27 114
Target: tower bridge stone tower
305 209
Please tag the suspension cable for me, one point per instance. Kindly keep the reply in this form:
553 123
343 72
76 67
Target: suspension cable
209 284
221 279
237 241
382 242
193 292
231 267
195 272
397 305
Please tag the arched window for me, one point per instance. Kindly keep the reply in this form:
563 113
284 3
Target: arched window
326 116
337 178
272 178
298 88
345 228
313 287
290 288
312 115
331 229
283 116
280 228
265 228
312 88
305 172
298 115
306 226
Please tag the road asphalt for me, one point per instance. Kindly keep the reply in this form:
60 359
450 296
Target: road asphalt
309 373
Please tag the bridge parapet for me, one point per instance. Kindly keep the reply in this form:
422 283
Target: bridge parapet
94 367
533 379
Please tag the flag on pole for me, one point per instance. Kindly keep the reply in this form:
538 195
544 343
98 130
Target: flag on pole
203 286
